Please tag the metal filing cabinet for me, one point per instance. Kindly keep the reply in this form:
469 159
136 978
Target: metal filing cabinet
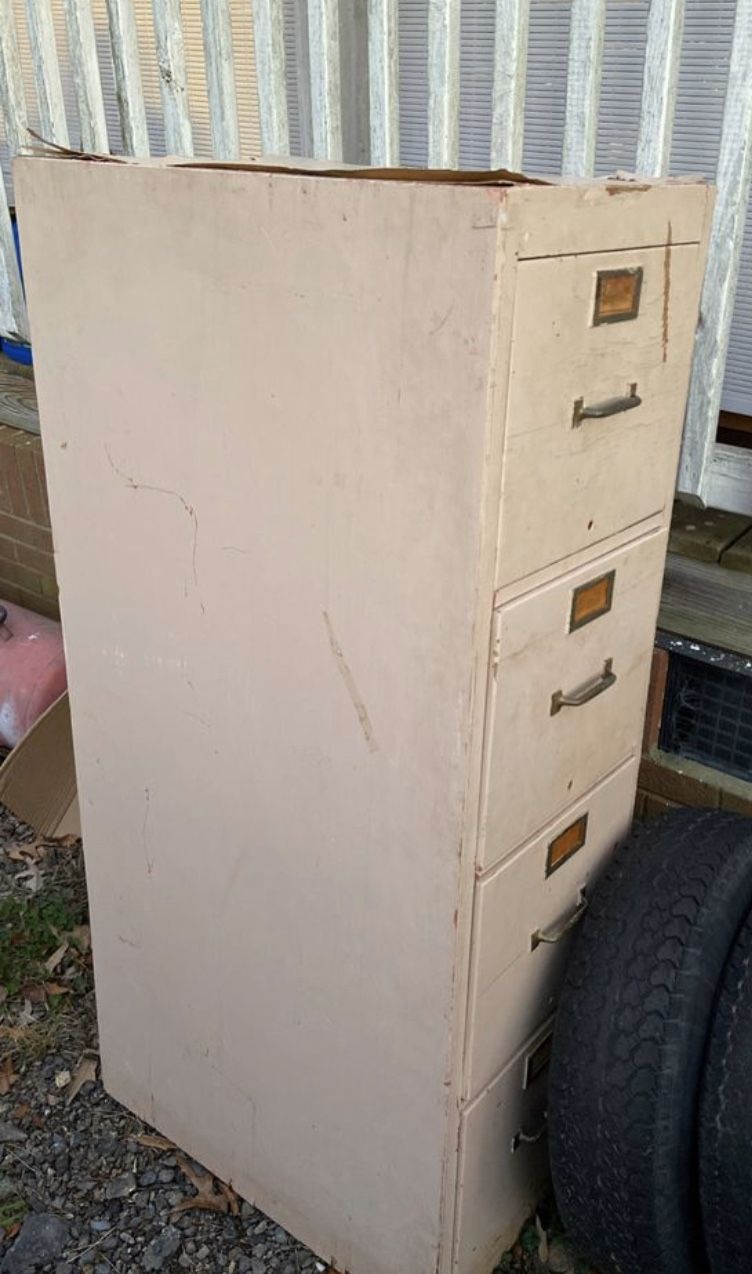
360 489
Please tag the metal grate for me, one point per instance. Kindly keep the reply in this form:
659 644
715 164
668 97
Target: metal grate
707 714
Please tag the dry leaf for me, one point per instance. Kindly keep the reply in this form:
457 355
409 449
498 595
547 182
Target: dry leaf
542 1240
19 1112
65 842
62 1079
30 879
23 853
34 992
207 1196
53 961
153 1141
85 1073
56 988
81 938
8 1076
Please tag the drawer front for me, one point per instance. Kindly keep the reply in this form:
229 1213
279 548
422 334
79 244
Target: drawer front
569 480
503 1159
520 935
567 693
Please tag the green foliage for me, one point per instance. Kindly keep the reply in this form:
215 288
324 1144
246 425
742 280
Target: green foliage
29 933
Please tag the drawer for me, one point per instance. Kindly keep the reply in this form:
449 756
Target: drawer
570 482
516 972
503 1159
587 636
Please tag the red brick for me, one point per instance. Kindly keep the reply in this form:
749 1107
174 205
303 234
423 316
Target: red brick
8 549
15 496
28 473
42 480
656 696
22 576
25 532
36 559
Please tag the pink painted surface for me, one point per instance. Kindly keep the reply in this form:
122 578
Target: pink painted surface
32 670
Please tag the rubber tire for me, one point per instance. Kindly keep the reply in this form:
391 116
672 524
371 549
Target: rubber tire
725 1138
630 1039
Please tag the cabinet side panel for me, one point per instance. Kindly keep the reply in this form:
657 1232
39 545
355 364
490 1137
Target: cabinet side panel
263 403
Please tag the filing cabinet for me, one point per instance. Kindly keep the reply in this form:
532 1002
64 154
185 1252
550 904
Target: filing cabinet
369 474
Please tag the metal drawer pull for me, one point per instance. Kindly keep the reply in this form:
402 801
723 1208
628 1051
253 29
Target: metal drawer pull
523 1138
594 688
558 932
609 407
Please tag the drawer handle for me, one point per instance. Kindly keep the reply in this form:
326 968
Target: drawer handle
609 407
559 931
523 1138
594 688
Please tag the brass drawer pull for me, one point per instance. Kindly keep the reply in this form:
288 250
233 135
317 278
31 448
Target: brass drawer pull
577 698
559 931
523 1138
609 407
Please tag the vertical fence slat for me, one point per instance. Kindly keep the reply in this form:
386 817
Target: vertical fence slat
13 319
510 75
583 87
127 67
326 94
662 56
12 93
719 290
82 43
383 80
54 125
170 49
269 42
220 78
443 83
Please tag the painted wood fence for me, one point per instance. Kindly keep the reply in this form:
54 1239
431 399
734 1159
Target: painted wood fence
705 468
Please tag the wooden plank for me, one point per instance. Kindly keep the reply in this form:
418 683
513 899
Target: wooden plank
383 79
739 556
53 124
13 317
703 601
127 67
82 45
662 56
18 397
220 78
443 83
730 481
12 94
269 42
510 75
173 87
326 94
717 305
583 87
704 534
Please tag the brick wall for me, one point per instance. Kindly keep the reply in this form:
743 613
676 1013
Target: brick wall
27 566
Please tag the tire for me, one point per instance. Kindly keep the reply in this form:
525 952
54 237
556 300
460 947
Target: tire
725 1137
630 1039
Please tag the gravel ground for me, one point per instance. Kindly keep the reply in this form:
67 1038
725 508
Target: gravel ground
84 1184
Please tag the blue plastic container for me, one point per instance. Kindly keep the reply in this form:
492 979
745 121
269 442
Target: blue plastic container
18 351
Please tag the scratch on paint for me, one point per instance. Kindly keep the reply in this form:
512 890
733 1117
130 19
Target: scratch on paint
147 855
145 486
666 290
352 689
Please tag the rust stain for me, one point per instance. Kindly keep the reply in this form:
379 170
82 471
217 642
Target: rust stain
666 292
